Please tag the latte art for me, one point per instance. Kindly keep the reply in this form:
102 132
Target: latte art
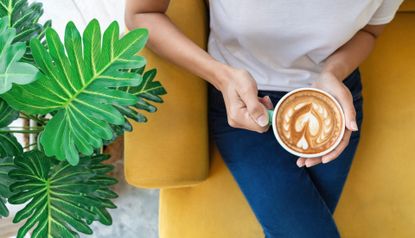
309 122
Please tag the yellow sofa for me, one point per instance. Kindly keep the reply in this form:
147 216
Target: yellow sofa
200 199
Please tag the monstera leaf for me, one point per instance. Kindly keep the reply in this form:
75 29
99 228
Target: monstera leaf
146 92
7 114
61 199
78 85
12 71
24 18
6 164
9 147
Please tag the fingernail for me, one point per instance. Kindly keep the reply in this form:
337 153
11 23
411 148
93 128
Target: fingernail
353 125
262 120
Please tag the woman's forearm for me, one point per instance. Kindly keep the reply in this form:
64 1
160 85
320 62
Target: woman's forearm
240 92
348 57
167 41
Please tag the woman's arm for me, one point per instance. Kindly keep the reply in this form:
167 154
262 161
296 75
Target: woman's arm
348 57
168 41
239 89
336 68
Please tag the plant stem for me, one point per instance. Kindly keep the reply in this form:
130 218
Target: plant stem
28 146
21 131
27 127
34 118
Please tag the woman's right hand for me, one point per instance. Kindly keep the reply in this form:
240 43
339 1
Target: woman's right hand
244 108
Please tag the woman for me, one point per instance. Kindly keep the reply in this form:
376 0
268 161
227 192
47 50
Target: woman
257 51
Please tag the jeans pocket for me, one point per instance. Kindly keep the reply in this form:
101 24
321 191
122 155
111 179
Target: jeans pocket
358 105
354 83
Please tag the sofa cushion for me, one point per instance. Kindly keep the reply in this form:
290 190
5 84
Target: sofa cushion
378 200
215 208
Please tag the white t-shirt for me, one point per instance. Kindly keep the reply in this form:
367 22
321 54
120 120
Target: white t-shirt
284 43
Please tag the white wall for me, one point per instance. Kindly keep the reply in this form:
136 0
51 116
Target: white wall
82 11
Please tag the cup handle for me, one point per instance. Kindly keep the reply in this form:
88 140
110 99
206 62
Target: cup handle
270 115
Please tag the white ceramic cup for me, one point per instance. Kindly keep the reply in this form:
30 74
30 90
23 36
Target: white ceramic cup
272 117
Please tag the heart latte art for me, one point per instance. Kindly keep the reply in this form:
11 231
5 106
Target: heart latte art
309 122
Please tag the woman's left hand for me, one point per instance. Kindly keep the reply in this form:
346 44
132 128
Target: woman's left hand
334 86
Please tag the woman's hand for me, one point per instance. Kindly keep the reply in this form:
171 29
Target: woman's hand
244 108
331 84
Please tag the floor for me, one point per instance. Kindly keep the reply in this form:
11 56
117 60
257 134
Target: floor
135 217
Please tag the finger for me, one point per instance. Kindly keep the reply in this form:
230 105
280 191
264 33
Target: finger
339 149
234 106
256 109
301 162
267 102
312 161
238 116
346 101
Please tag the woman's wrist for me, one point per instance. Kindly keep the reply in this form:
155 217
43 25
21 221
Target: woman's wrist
337 72
219 75
329 75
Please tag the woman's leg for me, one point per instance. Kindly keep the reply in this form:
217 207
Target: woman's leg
281 195
330 178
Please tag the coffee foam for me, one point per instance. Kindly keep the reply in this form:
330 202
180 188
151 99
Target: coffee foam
309 122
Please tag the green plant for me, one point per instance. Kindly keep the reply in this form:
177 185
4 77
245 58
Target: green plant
80 94
24 17
61 198
79 87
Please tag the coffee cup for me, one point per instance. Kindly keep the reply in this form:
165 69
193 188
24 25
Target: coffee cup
308 122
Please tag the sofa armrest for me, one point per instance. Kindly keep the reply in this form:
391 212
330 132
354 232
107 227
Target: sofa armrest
172 148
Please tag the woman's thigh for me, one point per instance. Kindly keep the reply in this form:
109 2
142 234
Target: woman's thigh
330 178
281 195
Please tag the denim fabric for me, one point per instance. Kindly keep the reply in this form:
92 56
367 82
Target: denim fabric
288 201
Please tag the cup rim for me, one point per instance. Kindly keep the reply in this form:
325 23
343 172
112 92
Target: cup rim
280 141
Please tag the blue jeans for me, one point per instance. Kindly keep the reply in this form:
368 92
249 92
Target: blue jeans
288 201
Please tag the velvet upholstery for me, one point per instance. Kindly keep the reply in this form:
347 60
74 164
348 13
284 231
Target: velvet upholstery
200 199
